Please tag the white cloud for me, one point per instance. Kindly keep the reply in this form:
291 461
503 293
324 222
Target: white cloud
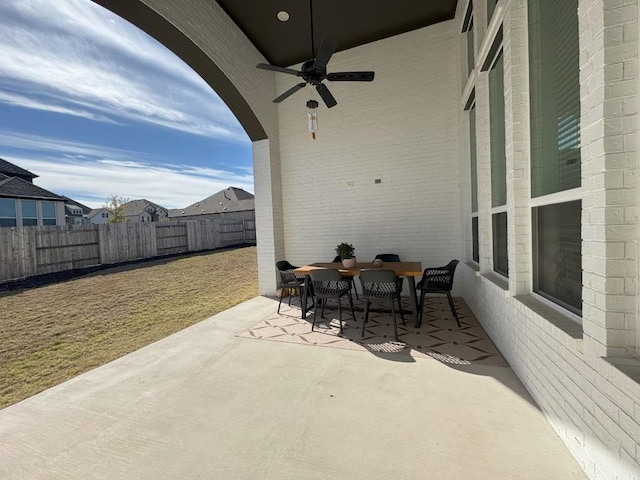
90 173
103 68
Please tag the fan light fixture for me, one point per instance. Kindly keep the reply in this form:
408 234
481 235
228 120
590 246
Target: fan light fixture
283 16
312 117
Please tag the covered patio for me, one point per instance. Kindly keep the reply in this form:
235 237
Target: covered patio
503 134
208 402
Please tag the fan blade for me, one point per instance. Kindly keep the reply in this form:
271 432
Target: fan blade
290 92
351 76
326 96
327 47
275 68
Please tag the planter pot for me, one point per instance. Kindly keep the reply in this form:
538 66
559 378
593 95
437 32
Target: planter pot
349 262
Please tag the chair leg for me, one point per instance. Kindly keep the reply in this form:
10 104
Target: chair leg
453 308
315 315
400 308
280 302
340 313
395 323
366 316
421 306
324 302
289 290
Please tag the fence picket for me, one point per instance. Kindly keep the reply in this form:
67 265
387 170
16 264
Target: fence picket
28 251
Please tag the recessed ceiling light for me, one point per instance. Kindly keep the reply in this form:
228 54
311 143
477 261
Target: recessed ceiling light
283 16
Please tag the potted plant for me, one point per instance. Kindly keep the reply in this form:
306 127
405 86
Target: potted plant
345 251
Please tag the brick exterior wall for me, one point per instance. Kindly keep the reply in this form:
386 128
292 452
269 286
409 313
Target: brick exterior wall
571 368
401 129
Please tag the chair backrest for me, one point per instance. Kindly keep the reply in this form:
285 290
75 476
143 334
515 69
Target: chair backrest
440 278
284 265
380 283
325 275
337 258
388 257
287 277
329 283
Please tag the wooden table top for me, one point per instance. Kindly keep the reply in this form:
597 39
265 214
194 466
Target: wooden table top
402 269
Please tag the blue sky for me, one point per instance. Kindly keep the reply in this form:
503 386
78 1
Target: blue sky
96 107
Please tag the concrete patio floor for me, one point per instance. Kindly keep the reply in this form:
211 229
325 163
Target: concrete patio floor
205 403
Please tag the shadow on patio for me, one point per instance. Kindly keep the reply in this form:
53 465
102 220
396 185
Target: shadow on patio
209 403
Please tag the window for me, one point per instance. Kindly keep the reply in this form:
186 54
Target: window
49 213
474 185
476 243
8 217
557 258
498 166
467 27
555 151
500 258
29 213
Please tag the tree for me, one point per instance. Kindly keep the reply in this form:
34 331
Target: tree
115 206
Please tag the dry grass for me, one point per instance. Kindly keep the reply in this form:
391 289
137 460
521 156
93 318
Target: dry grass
55 332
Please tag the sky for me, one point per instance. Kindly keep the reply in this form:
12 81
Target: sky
95 107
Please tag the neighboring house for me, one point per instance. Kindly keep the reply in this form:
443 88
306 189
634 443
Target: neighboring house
24 204
143 210
230 203
75 213
99 216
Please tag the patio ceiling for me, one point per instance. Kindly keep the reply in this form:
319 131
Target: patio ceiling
351 23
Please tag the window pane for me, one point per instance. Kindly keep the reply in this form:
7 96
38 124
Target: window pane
500 257
7 208
8 222
49 211
474 161
29 209
558 267
29 222
476 244
49 221
555 96
498 157
470 49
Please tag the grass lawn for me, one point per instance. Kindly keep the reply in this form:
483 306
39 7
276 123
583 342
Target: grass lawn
52 333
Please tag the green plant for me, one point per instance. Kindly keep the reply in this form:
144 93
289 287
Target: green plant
345 250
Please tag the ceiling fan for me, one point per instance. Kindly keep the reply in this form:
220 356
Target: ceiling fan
314 71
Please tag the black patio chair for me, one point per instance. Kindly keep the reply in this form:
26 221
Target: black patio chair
326 284
291 282
381 284
438 280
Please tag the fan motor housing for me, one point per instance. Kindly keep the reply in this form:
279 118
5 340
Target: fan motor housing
313 74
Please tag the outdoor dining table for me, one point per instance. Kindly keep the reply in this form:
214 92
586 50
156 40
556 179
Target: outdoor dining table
402 269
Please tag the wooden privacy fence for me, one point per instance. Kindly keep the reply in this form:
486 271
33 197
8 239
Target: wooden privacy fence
29 251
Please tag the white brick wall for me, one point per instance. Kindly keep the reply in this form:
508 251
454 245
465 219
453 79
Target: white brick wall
593 405
402 128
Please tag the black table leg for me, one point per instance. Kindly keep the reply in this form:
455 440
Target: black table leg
413 299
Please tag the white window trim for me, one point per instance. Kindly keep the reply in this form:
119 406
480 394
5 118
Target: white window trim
558 197
558 308
490 35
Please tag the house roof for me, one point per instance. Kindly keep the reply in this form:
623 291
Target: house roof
137 207
70 204
11 170
16 187
231 199
96 211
